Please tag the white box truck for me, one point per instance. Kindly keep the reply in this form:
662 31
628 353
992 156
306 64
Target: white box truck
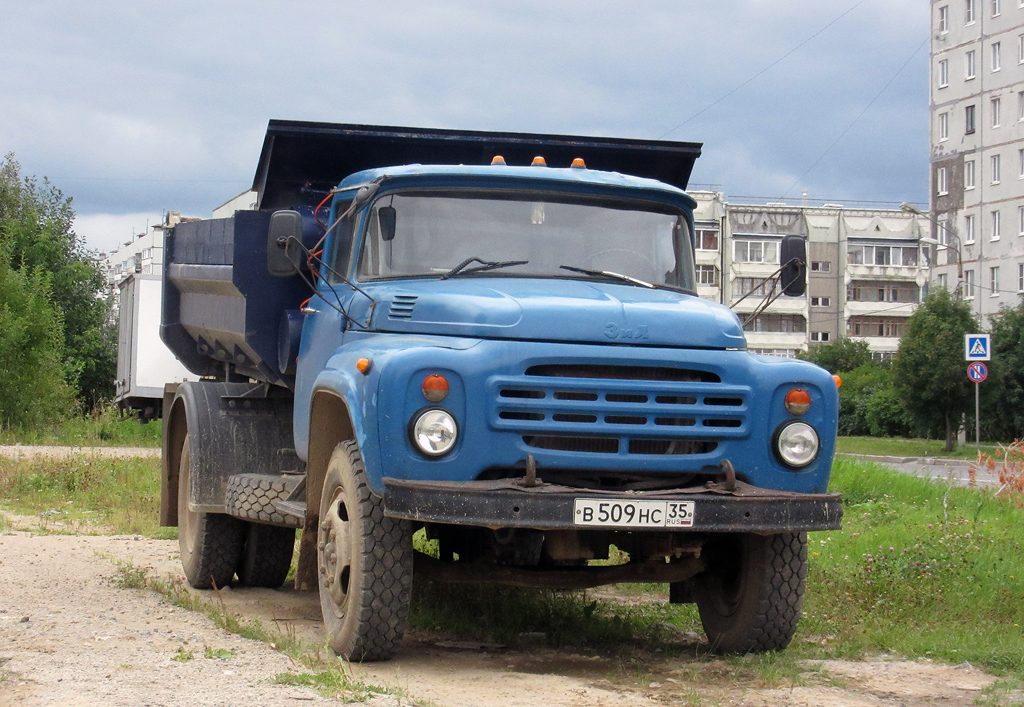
144 363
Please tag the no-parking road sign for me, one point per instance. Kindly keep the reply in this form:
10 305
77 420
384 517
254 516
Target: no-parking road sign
977 372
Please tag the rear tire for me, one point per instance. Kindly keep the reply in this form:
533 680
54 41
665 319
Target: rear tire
365 563
266 555
210 543
752 591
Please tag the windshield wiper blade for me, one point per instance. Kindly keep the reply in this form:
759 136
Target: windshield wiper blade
610 274
484 266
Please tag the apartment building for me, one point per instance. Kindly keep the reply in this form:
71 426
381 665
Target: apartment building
866 271
977 150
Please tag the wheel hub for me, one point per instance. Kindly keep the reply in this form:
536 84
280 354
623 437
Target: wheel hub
335 553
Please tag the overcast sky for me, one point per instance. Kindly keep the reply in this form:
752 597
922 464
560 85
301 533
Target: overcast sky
133 108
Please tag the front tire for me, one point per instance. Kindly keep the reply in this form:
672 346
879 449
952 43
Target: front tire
210 543
751 594
364 560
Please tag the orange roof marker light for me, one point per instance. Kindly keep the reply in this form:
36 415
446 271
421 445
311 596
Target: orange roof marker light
363 365
798 401
539 161
838 380
435 387
498 160
578 163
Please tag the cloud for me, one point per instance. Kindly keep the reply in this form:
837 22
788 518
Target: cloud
133 107
109 232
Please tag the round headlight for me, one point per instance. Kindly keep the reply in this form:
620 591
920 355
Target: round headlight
797 444
434 432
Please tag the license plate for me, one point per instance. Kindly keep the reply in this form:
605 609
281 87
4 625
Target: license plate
633 514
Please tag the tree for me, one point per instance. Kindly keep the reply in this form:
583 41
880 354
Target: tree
840 356
929 366
1003 393
37 236
33 389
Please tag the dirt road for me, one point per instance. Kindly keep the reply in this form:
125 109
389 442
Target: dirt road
70 636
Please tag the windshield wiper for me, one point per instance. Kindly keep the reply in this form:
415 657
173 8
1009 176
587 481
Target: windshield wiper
484 266
610 274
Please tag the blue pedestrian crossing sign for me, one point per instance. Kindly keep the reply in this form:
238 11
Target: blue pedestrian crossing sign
977 347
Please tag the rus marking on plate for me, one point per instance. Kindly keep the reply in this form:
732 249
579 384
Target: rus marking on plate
633 514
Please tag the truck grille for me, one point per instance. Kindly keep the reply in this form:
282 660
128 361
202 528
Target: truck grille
626 410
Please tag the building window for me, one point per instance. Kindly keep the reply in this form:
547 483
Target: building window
970 69
707 240
969 228
1020 220
756 286
820 336
995 8
707 275
941 183
969 14
821 266
756 252
995 226
1020 49
994 163
996 106
997 62
866 291
821 301
1020 163
777 323
1020 277
969 174
968 284
943 126
881 255
888 327
993 281
943 281
943 73
1020 105
969 120
944 19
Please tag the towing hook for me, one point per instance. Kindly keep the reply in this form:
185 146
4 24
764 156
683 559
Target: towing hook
530 480
730 475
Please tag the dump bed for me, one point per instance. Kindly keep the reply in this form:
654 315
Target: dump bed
224 315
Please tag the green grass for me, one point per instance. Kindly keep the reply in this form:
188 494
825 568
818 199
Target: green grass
898 447
919 569
86 491
104 428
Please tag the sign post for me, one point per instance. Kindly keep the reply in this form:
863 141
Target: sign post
977 348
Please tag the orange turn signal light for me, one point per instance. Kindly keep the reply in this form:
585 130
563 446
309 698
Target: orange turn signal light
578 163
363 365
435 387
838 380
798 401
539 161
497 159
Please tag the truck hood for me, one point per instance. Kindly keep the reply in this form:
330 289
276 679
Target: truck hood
538 309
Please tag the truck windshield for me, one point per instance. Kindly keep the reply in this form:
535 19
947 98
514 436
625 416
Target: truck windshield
427 235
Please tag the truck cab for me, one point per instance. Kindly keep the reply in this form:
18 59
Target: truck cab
506 357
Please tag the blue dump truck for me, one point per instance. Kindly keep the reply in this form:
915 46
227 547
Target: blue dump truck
491 343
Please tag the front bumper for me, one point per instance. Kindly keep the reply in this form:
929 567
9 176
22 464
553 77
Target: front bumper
505 503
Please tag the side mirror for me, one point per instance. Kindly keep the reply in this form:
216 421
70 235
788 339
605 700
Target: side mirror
793 256
284 244
388 217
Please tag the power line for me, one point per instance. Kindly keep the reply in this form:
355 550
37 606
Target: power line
854 121
762 71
